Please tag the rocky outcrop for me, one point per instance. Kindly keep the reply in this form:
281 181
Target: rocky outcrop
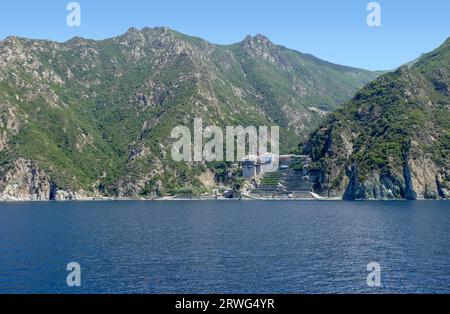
392 140
381 186
262 47
409 192
24 181
408 178
416 182
9 124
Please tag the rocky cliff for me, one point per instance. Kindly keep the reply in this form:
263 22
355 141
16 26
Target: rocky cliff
392 140
23 180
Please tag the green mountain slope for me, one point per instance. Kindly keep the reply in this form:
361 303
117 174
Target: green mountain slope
90 117
392 140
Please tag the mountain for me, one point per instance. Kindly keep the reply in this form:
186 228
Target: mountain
88 117
392 140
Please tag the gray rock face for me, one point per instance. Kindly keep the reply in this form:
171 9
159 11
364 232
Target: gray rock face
417 179
409 193
24 181
379 186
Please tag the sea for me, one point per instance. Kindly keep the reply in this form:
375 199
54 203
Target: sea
219 246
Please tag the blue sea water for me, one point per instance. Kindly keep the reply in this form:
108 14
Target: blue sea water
225 246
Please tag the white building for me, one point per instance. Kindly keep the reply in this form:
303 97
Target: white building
253 165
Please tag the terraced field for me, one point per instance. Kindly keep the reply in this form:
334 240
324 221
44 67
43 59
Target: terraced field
283 184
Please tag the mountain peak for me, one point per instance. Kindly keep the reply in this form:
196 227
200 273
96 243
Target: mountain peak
132 30
258 40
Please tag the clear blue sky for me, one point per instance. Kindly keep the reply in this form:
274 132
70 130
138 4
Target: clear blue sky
334 30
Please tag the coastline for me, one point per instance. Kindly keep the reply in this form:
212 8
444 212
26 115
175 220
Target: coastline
165 199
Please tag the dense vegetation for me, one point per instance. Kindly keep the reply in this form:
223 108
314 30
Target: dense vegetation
392 139
97 115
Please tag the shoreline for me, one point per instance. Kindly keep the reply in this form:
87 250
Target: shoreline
209 199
